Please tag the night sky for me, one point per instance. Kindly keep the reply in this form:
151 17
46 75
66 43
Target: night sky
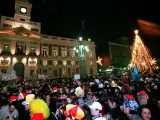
100 20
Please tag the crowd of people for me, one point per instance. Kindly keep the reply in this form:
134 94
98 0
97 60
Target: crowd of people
93 98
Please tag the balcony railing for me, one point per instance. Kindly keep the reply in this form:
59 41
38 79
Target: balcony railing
5 53
20 53
32 54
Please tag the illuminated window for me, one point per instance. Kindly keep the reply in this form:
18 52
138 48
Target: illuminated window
55 63
32 50
64 52
72 53
91 63
55 52
44 52
73 63
6 47
64 72
90 55
64 63
44 62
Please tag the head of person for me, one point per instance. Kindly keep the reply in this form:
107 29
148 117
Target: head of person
130 105
11 107
95 108
112 102
142 98
79 92
145 112
26 105
95 97
48 97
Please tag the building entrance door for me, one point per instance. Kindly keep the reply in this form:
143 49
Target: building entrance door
19 68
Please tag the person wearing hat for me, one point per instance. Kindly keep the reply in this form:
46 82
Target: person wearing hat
79 92
96 109
27 115
18 104
142 98
130 107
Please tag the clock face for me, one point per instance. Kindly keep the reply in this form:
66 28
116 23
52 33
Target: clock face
23 10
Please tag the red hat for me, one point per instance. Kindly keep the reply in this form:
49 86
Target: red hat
37 116
54 89
12 98
130 97
23 95
142 93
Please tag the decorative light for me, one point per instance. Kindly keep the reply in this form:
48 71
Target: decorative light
74 48
80 38
14 60
23 10
24 60
37 53
12 51
76 51
141 57
99 61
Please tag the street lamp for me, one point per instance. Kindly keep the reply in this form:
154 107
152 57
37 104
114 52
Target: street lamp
81 49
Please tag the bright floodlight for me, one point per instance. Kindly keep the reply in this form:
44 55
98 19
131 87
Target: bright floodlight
74 48
80 38
86 47
76 51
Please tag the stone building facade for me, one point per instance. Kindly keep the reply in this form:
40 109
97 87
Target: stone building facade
29 52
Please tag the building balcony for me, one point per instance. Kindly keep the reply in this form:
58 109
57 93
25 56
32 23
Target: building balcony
20 53
5 53
32 54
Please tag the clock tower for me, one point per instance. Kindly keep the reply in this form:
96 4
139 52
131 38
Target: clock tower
22 11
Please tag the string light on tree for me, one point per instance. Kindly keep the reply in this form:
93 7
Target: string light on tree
140 55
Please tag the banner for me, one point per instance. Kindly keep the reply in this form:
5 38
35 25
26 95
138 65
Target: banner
43 77
8 76
135 74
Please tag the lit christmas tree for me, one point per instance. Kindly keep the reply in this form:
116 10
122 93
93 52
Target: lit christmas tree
140 56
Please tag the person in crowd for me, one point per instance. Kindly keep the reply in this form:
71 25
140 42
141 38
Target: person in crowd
142 98
80 94
130 107
9 112
27 115
19 106
145 112
51 103
96 109
115 113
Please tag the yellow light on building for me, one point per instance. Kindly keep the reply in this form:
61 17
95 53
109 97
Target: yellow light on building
12 51
14 60
24 60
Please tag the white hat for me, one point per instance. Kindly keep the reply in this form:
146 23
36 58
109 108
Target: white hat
96 105
25 103
79 91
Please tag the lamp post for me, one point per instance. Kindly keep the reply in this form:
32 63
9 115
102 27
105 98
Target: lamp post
81 49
